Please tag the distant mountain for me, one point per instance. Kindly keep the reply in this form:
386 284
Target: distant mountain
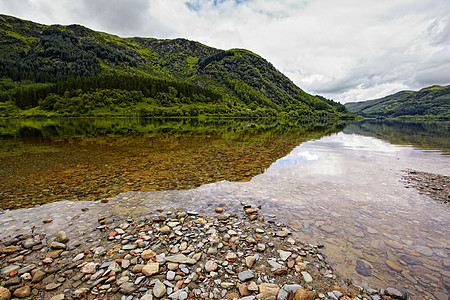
433 101
72 70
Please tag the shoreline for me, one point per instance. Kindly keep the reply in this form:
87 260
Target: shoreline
434 186
225 252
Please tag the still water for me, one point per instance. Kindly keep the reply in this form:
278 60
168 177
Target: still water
342 189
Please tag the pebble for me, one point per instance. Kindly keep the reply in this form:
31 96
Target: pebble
246 275
150 269
159 289
225 256
393 266
307 277
22 292
284 255
424 250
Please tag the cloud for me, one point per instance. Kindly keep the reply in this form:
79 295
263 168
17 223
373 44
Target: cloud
346 50
116 15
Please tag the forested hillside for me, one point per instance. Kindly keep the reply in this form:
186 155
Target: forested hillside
431 102
74 71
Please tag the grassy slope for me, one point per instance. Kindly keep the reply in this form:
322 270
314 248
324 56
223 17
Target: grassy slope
433 101
243 78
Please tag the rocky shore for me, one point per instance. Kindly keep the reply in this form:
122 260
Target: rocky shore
435 186
175 254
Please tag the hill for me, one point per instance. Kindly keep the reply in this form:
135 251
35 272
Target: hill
74 71
430 102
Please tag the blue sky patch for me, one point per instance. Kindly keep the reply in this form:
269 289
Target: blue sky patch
197 5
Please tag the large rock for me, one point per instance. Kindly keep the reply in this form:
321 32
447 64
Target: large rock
246 275
23 292
148 254
181 259
159 290
38 276
9 249
304 294
283 294
89 268
62 237
128 288
150 269
284 254
210 265
268 290
394 266
5 294
307 277
250 261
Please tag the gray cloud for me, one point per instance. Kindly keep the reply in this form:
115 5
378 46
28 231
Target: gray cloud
126 17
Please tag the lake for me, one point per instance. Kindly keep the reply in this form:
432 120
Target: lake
334 184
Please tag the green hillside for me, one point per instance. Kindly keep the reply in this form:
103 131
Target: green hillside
431 102
74 71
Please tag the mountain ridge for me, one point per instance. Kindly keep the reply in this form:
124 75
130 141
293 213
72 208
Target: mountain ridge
36 57
428 102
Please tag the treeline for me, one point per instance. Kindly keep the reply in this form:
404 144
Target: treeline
213 58
165 91
431 102
58 55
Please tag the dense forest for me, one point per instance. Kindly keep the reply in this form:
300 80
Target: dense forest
74 71
432 102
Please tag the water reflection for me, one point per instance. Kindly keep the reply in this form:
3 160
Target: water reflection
431 135
44 161
343 190
350 197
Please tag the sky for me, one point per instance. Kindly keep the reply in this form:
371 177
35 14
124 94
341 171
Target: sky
345 50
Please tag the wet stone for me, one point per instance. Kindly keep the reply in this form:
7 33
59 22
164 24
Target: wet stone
22 292
246 275
362 269
128 288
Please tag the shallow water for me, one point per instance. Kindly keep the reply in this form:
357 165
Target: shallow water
344 191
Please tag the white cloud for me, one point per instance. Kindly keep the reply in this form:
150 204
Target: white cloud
347 50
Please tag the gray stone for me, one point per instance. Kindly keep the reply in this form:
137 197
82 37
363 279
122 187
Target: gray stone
159 289
183 295
125 263
128 288
284 255
78 257
170 275
246 275
181 259
424 250
441 296
89 268
210 265
274 265
129 247
62 237
26 269
99 251
282 233
147 296
391 291
115 267
362 269
307 277
57 245
28 243
9 269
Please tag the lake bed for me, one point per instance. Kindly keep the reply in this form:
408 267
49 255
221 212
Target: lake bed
340 189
